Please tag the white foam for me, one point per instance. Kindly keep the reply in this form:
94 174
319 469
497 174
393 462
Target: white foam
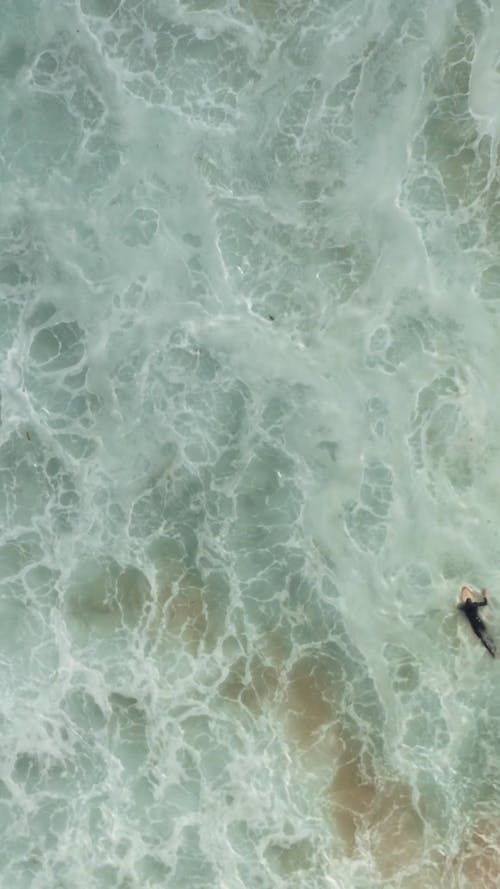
248 444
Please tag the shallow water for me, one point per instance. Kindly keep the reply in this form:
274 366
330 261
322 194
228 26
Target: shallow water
249 433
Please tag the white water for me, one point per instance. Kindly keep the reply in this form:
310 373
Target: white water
249 443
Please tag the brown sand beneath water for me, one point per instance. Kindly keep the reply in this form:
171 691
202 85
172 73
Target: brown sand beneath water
374 812
479 861
362 808
368 811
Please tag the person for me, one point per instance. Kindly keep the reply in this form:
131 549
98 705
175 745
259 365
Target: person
470 608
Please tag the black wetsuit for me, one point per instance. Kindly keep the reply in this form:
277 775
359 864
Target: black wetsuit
470 609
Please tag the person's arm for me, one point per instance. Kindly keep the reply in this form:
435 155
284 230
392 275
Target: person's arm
485 599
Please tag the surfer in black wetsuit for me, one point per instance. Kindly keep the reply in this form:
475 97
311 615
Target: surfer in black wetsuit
470 609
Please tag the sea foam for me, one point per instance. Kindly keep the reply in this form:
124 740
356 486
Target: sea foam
248 443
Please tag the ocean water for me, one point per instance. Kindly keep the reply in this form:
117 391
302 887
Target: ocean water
249 443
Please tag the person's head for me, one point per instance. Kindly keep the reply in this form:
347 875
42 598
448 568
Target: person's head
466 594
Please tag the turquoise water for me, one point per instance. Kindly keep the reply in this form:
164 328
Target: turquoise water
249 443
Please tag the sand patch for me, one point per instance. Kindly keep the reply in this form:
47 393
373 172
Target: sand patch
479 864
104 596
186 610
370 813
376 813
250 682
310 715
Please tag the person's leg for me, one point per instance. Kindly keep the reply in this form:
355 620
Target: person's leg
488 644
481 632
478 625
